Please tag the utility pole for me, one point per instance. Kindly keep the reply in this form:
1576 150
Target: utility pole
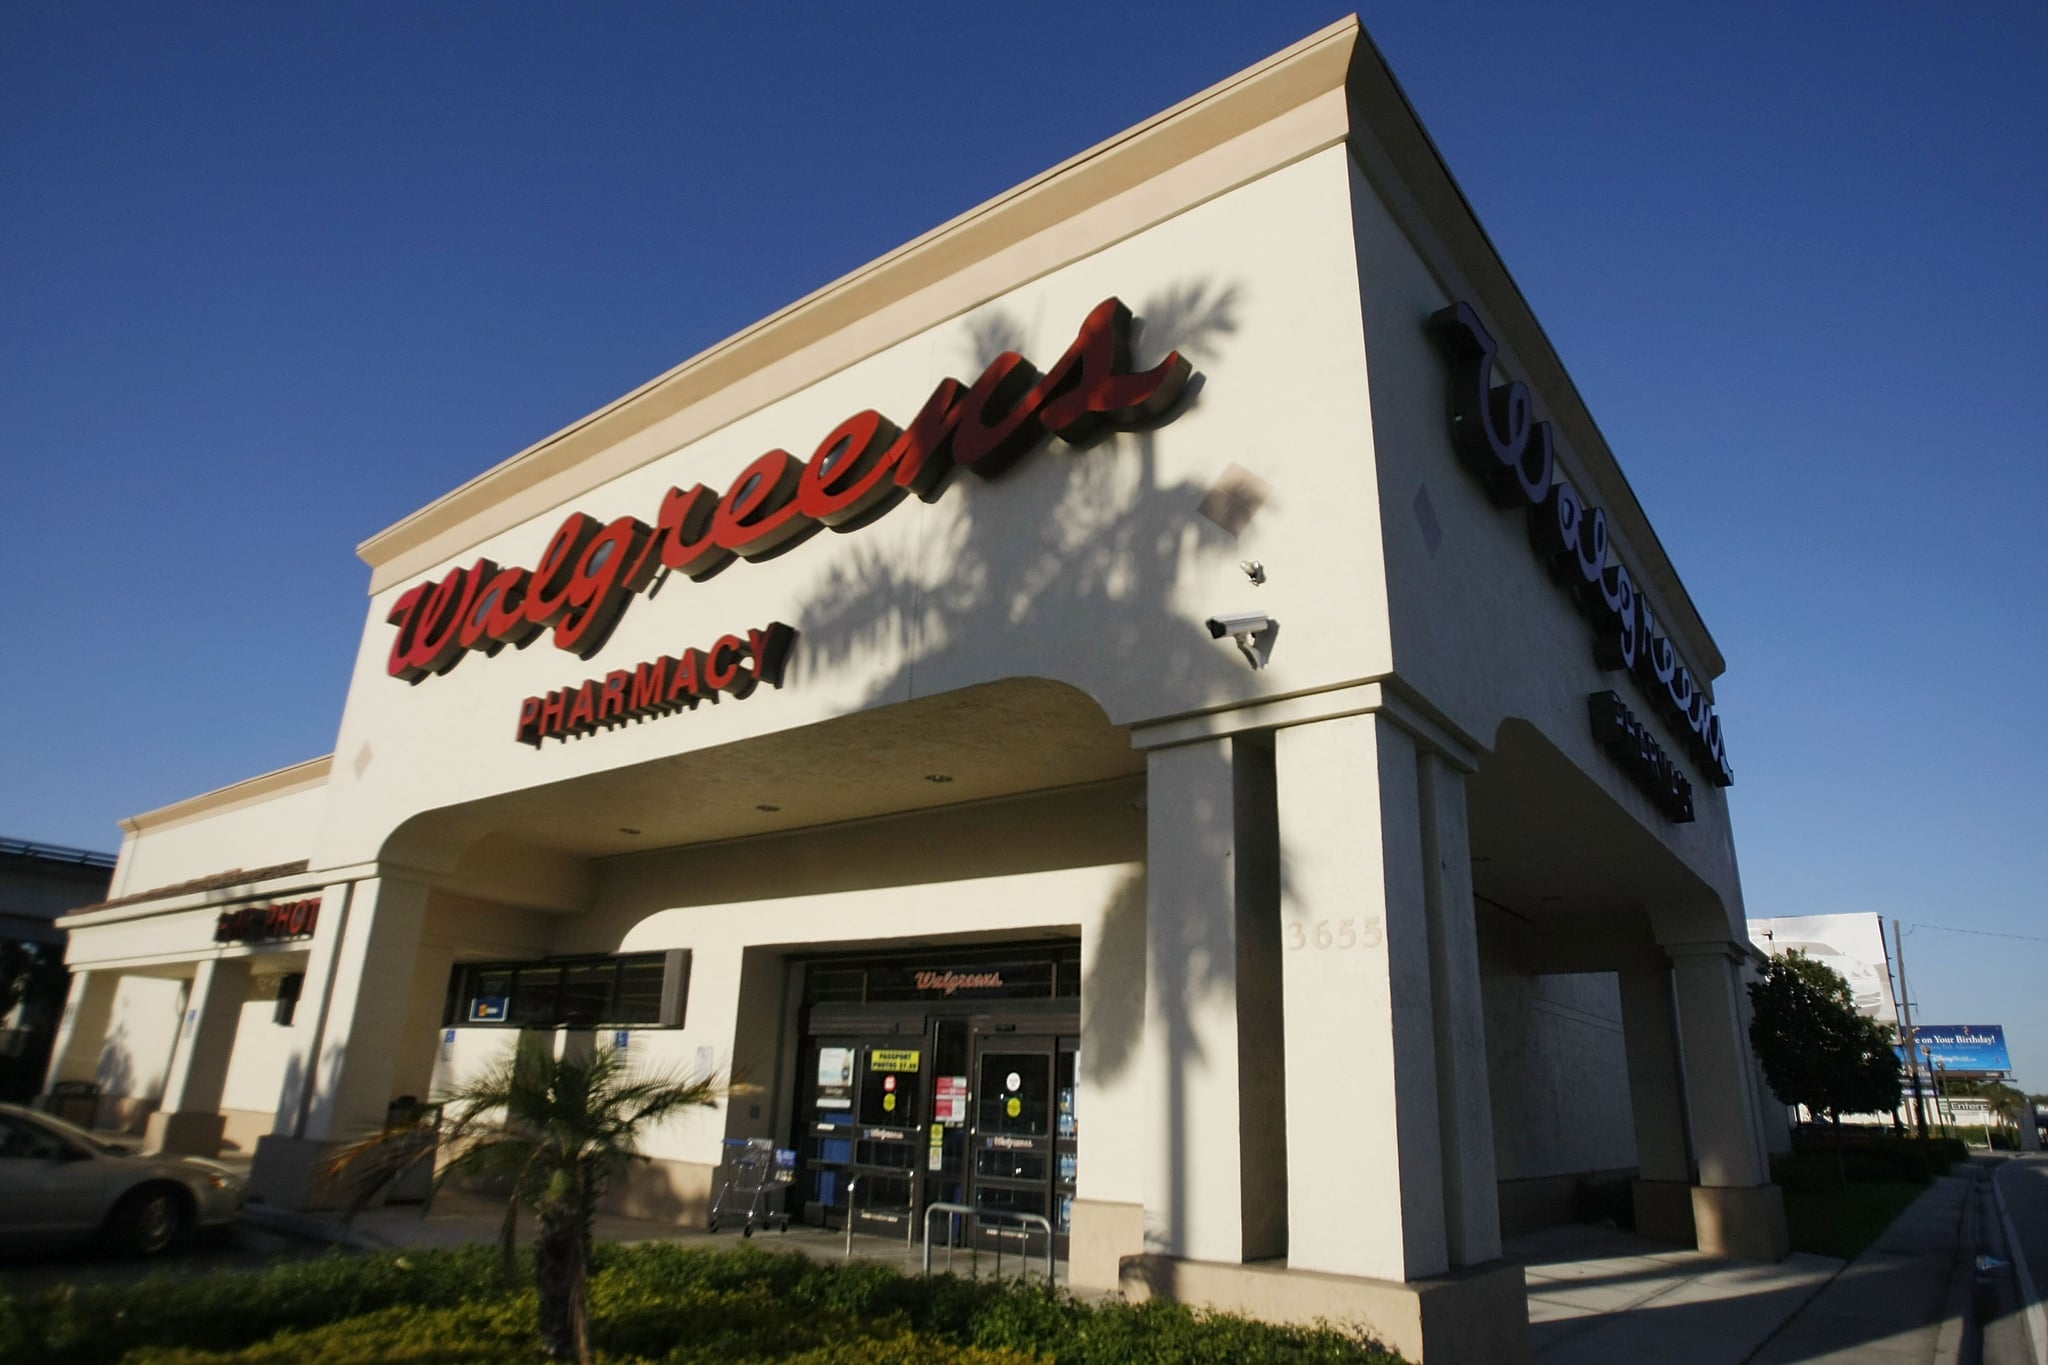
1912 1043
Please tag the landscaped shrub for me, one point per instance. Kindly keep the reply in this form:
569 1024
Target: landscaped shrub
229 1310
1875 1154
478 1334
652 1303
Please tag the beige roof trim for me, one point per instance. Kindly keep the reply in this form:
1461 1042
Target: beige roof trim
206 893
311 773
910 289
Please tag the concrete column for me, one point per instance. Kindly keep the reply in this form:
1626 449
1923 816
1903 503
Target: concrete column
1365 1140
1736 1209
1464 1103
1656 1085
366 1014
1116 1093
82 1031
348 1036
1195 1193
189 1120
309 1019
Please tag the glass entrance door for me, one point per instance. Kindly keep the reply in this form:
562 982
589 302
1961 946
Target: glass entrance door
1023 1142
864 1151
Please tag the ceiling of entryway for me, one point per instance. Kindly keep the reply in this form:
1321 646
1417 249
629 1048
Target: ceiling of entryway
1006 738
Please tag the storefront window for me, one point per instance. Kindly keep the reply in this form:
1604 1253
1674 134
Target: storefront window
639 989
568 993
537 997
587 993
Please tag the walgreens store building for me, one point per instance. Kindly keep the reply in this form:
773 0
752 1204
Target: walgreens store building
1151 706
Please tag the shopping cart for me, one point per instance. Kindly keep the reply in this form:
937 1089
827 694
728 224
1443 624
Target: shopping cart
757 1171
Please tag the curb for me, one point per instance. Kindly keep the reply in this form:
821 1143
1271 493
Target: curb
2030 1291
1954 1330
306 1227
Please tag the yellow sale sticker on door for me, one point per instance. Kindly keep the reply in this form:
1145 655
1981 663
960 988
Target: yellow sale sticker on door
880 1060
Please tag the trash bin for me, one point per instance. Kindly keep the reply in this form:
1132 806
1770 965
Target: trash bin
74 1101
415 1131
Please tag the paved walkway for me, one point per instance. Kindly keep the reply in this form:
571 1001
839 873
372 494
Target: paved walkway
1600 1296
461 1219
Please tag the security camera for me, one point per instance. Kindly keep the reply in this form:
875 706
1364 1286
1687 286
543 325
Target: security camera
1253 633
1251 623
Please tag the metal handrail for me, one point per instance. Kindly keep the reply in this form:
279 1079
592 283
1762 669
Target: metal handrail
975 1216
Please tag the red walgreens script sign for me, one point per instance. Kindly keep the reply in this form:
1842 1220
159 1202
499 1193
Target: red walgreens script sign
859 471
266 923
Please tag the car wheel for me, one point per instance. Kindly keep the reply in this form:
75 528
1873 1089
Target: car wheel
150 1221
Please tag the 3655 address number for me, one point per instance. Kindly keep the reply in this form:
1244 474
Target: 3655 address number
1335 934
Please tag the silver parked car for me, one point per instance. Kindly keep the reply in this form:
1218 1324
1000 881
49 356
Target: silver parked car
58 1181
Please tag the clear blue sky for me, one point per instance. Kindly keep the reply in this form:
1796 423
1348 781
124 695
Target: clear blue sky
273 276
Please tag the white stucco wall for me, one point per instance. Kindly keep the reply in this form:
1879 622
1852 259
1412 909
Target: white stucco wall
1087 567
1478 625
136 1055
273 824
262 1050
1558 1074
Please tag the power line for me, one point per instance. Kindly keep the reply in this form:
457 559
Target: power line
1981 933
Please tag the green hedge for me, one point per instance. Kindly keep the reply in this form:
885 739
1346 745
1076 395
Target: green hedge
1876 1155
654 1302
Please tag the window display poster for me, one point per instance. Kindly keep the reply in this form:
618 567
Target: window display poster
835 1078
949 1100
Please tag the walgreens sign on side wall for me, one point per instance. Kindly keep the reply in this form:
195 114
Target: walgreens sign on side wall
858 471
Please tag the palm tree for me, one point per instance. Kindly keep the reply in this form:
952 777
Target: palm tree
557 1131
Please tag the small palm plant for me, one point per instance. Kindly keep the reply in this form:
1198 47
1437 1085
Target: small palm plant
557 1131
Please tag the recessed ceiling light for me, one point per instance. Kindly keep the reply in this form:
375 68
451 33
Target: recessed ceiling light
937 777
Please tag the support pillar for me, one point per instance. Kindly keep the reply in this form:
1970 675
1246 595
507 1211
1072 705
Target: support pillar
1736 1208
1216 1183
189 1120
347 1037
82 1031
1390 1154
1662 1189
1464 1102
1390 1191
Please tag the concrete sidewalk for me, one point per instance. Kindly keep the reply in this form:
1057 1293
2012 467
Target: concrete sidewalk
1602 1296
457 1218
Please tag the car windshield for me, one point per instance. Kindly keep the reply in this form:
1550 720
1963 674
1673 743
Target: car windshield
72 1132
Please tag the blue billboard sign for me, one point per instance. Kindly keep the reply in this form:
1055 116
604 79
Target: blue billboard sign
1964 1047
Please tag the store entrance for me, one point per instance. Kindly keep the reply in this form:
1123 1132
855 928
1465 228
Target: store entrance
957 1099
